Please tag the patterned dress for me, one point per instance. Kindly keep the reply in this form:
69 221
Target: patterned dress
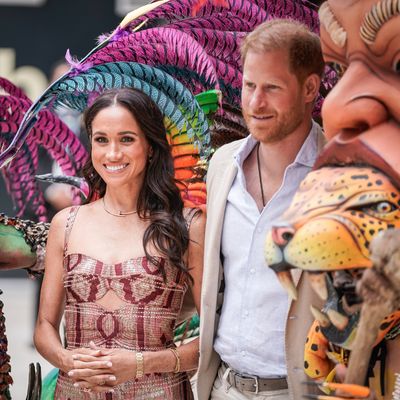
145 323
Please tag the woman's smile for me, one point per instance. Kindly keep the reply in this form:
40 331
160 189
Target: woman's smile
115 168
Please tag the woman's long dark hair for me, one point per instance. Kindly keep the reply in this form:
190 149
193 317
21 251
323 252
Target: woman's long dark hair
159 198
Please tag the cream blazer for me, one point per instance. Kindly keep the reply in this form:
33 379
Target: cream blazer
221 173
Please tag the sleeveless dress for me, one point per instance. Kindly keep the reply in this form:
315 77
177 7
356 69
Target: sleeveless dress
144 323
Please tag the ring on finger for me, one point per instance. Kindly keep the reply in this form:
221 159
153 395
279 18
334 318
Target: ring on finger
102 383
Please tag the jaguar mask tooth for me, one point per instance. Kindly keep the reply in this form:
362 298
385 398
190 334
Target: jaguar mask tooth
318 283
339 320
320 317
286 280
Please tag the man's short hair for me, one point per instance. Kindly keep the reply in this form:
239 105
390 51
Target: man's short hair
303 46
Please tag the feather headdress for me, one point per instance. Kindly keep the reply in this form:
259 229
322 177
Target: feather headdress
172 50
49 133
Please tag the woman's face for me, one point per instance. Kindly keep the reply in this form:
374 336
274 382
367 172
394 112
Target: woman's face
119 147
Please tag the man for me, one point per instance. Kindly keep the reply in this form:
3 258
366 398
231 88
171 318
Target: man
250 183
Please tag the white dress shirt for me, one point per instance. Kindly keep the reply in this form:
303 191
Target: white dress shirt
250 335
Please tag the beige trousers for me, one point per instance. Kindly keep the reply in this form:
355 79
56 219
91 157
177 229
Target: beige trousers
222 391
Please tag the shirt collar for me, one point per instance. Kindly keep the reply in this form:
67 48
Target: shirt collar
306 156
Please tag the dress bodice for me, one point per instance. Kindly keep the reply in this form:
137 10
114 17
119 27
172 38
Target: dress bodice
88 279
146 298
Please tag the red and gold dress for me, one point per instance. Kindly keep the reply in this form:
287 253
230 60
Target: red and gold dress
145 323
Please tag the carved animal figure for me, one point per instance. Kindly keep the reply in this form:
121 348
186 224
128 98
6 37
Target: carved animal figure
327 231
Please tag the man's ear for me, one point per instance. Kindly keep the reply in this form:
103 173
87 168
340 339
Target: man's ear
311 87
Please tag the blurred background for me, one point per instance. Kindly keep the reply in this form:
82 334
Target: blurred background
34 37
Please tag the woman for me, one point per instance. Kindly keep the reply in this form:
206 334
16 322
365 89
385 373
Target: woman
120 265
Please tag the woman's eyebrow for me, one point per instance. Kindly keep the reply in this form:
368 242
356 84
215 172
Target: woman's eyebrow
119 133
128 133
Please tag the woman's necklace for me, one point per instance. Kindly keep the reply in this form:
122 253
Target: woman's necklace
120 213
259 174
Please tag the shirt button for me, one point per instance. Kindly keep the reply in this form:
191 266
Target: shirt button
246 313
252 270
243 353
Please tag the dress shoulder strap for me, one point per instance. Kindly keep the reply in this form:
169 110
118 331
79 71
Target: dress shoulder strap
189 214
68 227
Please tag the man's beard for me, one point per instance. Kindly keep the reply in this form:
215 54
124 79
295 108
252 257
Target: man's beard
283 127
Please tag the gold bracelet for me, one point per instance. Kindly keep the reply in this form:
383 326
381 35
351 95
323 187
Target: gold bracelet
139 365
178 360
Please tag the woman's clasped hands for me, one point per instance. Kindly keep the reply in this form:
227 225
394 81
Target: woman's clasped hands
99 370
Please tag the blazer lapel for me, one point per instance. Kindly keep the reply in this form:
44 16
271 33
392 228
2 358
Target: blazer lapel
213 273
220 200
215 219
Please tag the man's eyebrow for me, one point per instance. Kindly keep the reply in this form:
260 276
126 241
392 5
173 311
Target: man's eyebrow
332 25
379 15
246 80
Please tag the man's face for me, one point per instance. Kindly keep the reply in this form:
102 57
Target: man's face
366 98
272 97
